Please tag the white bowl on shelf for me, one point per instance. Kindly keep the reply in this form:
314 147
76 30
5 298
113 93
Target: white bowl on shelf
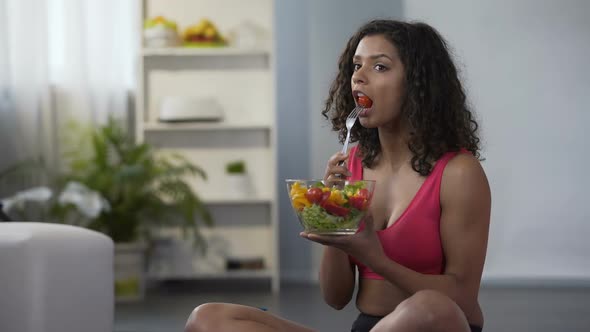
160 36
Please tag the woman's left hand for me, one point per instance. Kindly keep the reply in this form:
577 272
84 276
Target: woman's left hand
364 245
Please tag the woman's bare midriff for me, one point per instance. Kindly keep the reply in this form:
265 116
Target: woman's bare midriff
380 297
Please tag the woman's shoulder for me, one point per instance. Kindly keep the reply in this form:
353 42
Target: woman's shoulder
464 172
463 164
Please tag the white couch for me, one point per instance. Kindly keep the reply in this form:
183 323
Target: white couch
55 278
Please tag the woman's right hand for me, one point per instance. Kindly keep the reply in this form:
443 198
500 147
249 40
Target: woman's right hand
336 169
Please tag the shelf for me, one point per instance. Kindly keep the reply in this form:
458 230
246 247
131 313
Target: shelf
203 51
243 80
203 126
237 274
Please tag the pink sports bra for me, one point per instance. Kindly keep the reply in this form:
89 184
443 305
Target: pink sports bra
414 239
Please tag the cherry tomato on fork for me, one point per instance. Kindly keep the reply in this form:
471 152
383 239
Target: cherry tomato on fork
365 101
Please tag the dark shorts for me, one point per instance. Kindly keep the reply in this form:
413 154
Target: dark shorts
364 323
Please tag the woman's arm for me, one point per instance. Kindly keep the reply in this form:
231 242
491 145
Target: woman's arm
337 278
337 274
465 217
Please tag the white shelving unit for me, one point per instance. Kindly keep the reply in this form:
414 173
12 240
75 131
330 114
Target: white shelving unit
242 82
193 126
214 51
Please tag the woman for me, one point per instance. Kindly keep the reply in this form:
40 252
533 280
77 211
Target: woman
420 255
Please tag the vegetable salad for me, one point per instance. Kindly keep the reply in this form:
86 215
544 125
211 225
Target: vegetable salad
323 209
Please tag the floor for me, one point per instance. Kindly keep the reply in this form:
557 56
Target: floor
507 309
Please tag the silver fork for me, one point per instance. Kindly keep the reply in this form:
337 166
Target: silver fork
350 121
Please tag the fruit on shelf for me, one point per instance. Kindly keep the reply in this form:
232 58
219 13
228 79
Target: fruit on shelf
159 20
204 33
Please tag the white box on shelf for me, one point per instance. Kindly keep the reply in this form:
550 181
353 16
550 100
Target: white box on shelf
239 186
184 109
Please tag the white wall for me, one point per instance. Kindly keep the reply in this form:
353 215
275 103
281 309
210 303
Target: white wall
528 76
292 44
525 67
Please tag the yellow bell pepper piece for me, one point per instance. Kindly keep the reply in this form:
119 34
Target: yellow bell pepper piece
300 203
337 197
297 188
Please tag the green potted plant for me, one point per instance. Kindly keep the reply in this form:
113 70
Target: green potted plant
144 190
239 184
236 167
112 185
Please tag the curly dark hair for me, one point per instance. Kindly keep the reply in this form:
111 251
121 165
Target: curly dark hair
434 106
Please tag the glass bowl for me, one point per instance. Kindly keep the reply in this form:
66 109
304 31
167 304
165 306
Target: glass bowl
334 208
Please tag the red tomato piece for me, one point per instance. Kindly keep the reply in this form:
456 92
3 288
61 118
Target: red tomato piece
314 195
325 195
365 101
364 193
335 209
358 202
